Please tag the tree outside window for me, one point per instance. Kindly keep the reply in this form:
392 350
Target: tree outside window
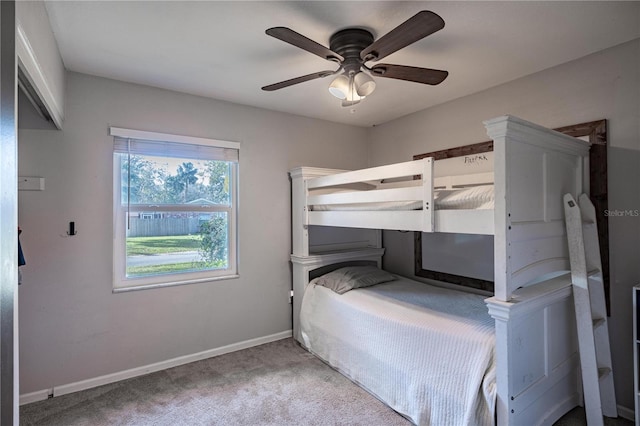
175 241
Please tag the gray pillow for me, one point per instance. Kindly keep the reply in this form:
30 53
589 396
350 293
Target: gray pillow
350 277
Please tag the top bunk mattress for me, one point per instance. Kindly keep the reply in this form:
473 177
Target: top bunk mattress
471 198
426 351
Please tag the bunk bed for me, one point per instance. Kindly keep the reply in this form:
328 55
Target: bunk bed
530 376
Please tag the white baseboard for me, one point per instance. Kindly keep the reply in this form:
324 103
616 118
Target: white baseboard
151 368
28 398
626 413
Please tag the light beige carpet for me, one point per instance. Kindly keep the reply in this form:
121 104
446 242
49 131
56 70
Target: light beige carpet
274 384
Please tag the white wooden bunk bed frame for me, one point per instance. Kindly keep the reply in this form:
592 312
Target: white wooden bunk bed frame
537 361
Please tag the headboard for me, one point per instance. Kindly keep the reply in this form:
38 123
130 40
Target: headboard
596 133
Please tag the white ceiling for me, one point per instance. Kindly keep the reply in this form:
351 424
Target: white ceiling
218 49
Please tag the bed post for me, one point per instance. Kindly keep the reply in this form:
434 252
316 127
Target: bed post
536 351
299 231
502 216
428 208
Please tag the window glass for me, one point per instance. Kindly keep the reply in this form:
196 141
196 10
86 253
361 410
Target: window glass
174 220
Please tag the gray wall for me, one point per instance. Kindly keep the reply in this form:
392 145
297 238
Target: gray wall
72 327
603 85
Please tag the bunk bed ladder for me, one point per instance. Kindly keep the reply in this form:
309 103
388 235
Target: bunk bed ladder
590 309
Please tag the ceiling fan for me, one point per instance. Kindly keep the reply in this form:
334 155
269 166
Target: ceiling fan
352 48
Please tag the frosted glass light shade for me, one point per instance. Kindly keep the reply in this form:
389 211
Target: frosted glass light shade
339 87
364 84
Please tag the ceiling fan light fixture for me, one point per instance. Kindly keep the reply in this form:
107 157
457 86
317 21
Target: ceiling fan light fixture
365 85
351 89
339 87
351 48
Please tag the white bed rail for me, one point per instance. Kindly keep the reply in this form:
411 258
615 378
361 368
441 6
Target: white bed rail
463 181
391 171
374 195
419 219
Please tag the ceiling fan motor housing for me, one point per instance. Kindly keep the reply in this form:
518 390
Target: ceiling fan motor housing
349 43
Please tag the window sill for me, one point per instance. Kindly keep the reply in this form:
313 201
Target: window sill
173 283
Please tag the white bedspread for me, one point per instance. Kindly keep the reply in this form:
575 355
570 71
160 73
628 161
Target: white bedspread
427 352
476 197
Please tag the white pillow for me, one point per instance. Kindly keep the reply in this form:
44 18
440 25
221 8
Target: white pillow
350 277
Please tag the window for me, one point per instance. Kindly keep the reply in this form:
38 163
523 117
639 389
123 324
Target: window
174 208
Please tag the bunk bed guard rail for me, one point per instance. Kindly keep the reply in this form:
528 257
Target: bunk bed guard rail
420 217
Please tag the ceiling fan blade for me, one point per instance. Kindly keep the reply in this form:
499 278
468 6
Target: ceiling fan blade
402 72
415 28
289 36
297 80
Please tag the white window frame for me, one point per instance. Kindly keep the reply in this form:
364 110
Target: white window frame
120 281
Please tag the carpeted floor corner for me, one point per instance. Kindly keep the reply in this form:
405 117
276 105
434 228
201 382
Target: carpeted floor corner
278 383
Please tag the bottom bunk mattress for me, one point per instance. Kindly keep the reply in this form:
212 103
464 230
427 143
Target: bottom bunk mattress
426 351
